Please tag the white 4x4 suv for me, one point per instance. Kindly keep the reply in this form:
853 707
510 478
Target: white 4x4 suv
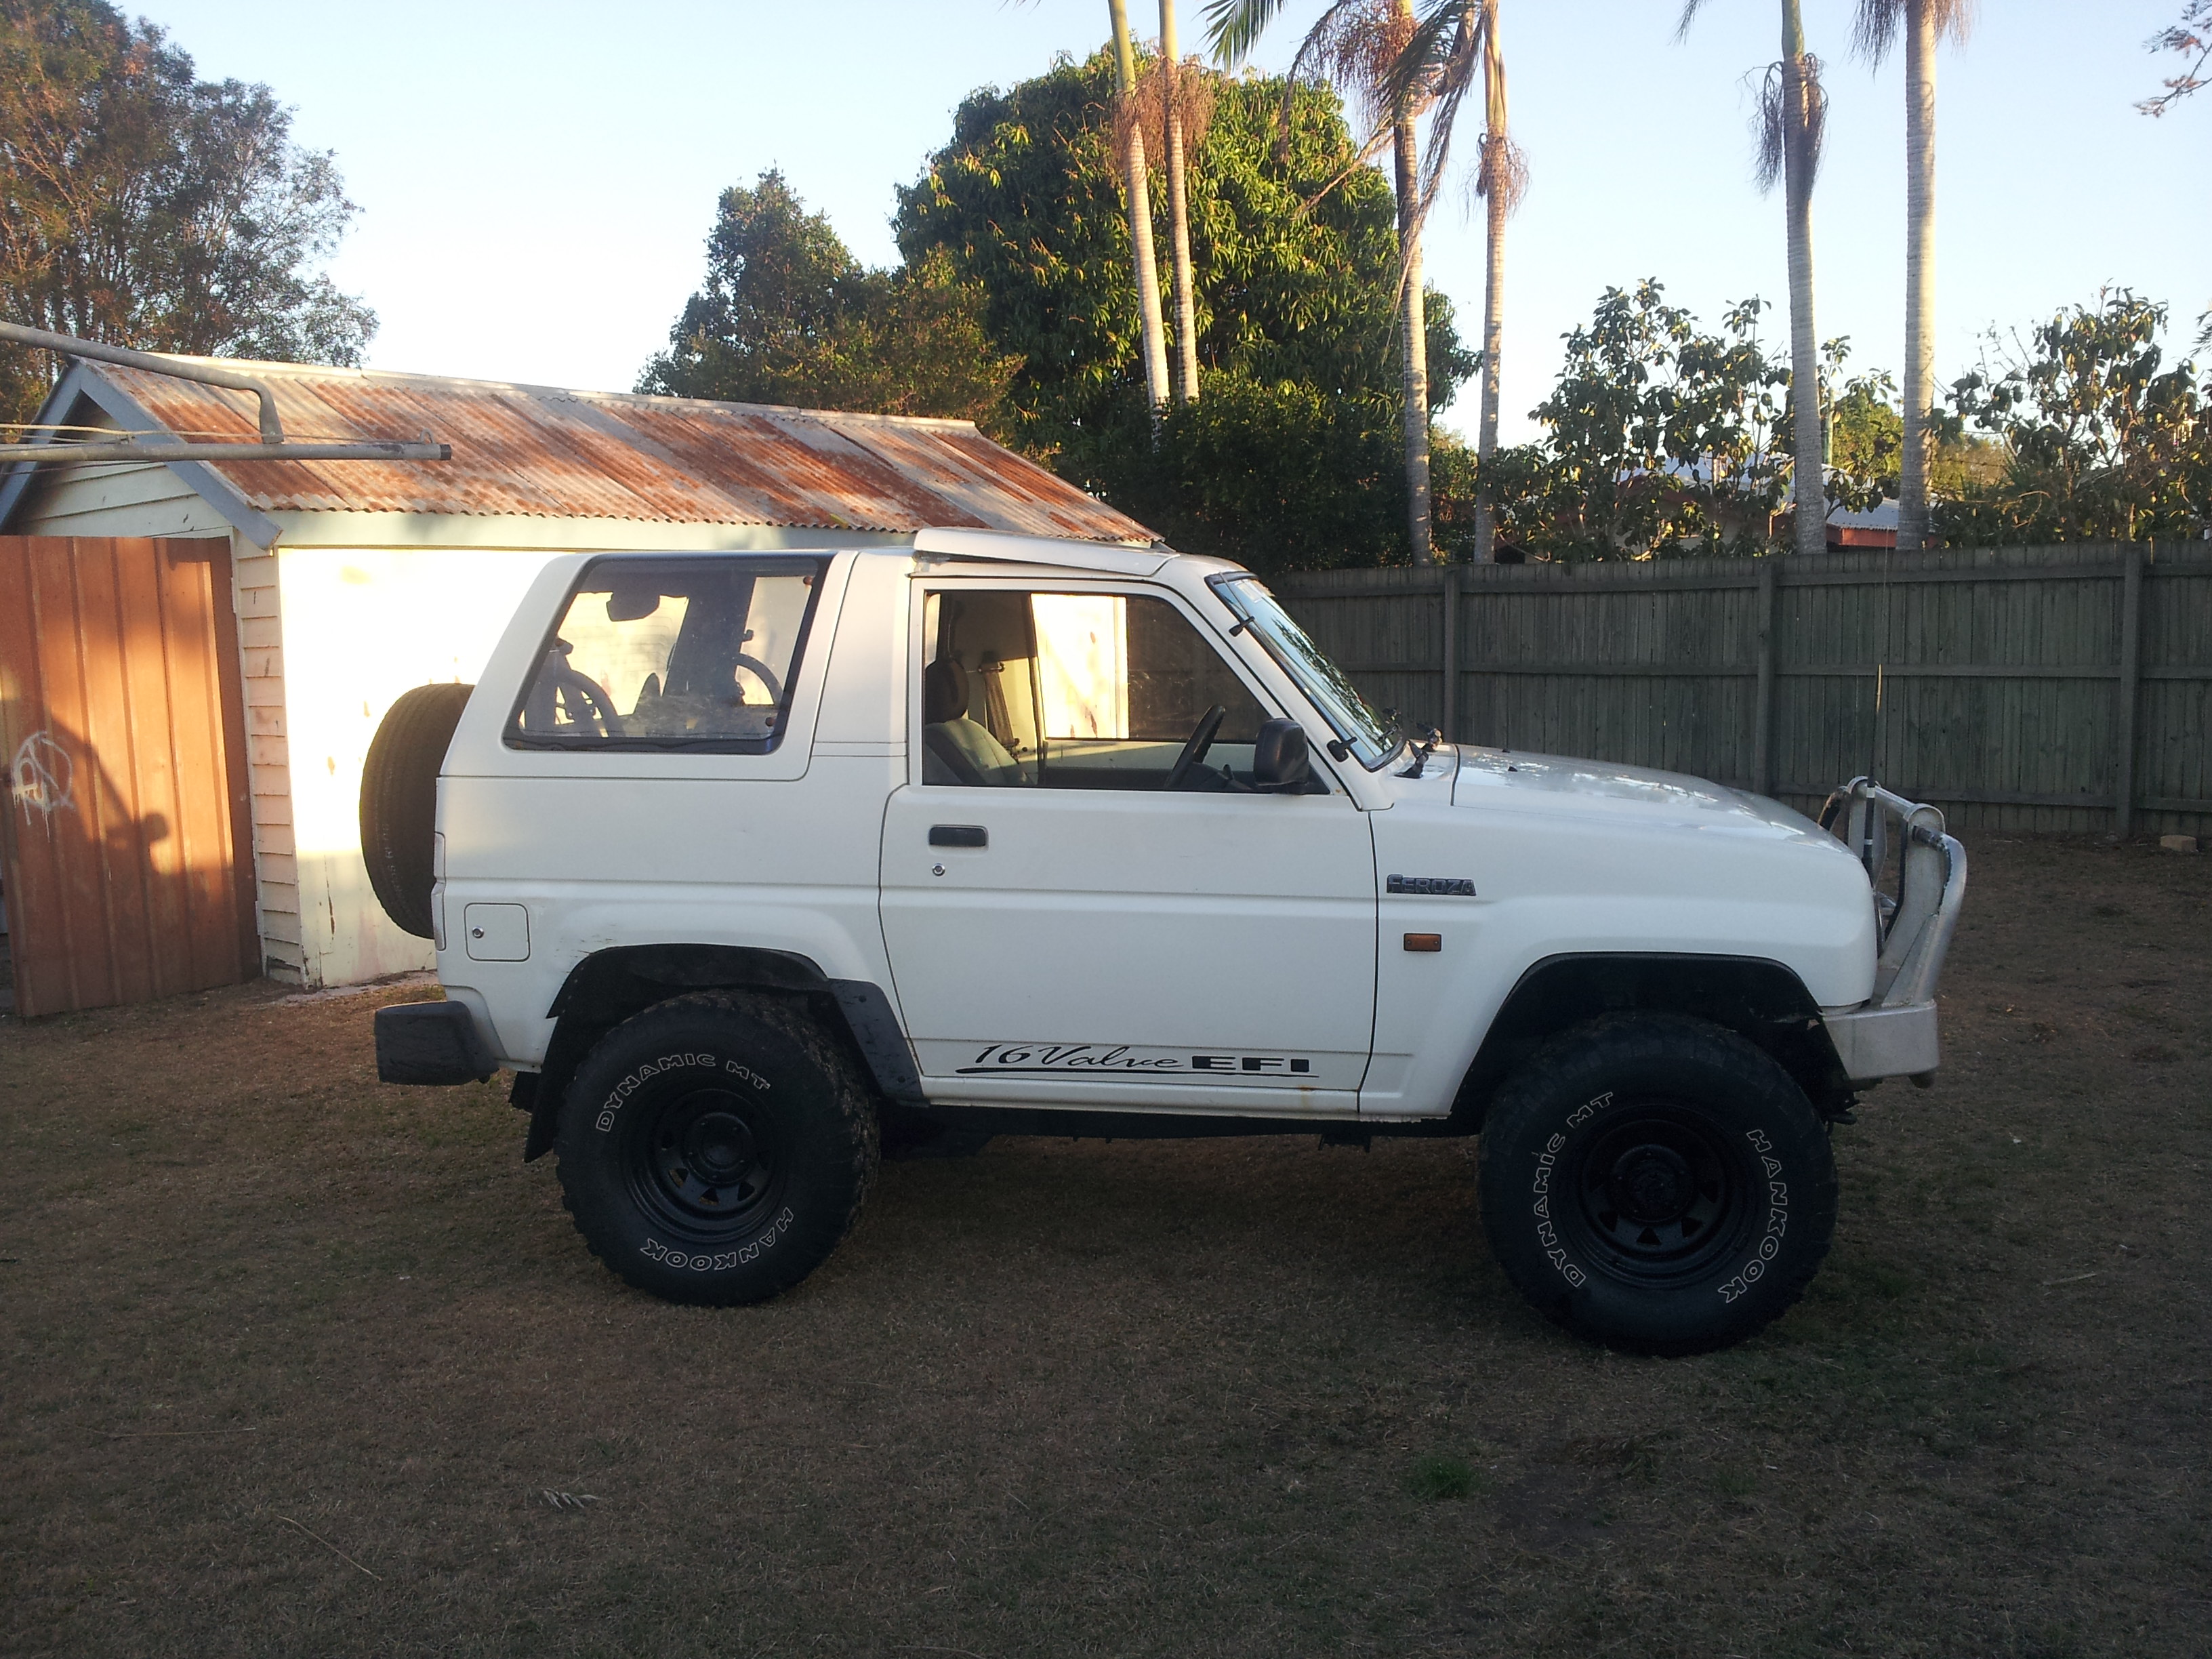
747 863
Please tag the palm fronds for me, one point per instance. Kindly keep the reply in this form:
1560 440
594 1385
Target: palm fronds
1145 107
1881 23
1771 125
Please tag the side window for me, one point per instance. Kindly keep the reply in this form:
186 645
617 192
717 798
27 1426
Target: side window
672 654
1076 692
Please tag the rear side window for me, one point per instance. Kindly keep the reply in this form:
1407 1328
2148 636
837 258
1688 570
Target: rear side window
695 654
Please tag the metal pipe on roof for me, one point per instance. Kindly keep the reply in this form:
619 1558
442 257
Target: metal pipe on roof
272 429
169 450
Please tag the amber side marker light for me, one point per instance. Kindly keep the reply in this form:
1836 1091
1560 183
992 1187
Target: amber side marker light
1424 941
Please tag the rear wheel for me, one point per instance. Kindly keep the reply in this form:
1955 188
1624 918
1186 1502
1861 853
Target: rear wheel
716 1148
1656 1183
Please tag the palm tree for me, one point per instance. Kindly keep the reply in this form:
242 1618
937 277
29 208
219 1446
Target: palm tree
1924 24
1452 49
1499 182
1132 133
1359 44
1793 113
1178 209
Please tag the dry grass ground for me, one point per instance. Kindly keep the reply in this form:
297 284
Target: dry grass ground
291 1363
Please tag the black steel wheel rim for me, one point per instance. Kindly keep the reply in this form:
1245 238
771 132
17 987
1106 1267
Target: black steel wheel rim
1662 1192
708 1163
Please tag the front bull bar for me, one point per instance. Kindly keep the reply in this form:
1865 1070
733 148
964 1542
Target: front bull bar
1893 1034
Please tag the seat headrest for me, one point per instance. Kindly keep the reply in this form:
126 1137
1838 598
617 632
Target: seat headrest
944 690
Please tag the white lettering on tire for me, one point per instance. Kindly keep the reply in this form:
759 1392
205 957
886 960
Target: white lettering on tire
1547 1236
1778 1219
653 1250
622 1092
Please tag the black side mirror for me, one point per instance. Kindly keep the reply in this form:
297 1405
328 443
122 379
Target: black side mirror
1280 762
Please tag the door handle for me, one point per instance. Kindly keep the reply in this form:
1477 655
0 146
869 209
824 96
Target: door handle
958 835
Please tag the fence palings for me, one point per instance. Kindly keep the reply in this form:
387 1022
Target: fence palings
2050 688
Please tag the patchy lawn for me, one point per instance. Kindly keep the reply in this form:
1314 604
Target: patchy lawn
295 1364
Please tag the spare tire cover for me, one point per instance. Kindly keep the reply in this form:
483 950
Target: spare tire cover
399 800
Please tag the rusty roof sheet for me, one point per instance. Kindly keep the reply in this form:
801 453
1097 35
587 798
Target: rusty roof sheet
547 452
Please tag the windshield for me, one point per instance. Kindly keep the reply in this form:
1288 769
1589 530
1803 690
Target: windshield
1372 738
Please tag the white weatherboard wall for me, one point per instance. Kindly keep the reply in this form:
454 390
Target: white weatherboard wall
359 626
133 499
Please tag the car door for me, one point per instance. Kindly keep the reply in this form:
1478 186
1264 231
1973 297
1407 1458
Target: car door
1062 928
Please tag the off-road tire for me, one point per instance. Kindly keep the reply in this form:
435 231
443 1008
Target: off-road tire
716 1149
399 800
1657 1184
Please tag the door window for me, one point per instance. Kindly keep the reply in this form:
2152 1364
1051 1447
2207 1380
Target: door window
1077 691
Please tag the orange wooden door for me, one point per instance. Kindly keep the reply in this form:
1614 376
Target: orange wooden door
128 874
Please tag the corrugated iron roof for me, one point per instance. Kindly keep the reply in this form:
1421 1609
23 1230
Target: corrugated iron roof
548 452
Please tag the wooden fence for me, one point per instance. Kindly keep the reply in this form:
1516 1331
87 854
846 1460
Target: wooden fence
2049 688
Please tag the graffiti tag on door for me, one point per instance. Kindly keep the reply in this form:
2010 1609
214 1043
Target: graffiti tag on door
42 777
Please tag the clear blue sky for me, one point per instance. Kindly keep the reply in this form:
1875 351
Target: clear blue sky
537 181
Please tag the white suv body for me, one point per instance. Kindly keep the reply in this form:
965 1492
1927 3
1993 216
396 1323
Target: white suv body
1376 952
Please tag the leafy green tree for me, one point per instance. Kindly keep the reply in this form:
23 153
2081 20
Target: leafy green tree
1659 439
1276 475
2103 442
1866 440
789 316
1867 445
780 284
141 206
1294 257
1369 48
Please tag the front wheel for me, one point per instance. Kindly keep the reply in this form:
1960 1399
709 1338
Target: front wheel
716 1148
1656 1183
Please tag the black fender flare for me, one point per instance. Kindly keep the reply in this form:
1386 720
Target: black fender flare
608 987
1760 1000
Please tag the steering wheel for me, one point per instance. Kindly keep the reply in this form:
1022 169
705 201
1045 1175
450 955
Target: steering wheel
766 676
584 698
1195 747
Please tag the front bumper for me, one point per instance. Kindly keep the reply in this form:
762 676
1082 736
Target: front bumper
1894 1033
1877 1041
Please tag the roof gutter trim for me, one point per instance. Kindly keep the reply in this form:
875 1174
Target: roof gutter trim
331 527
1003 547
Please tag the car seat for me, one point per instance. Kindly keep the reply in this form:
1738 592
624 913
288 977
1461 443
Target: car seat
955 749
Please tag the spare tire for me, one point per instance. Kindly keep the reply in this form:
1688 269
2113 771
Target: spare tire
399 800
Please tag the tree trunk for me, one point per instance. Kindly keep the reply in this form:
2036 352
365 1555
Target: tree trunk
1178 212
1140 223
1494 340
1414 340
1808 484
1494 285
1919 273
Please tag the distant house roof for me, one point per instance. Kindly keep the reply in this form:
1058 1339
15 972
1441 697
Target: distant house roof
544 452
1882 517
1877 528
